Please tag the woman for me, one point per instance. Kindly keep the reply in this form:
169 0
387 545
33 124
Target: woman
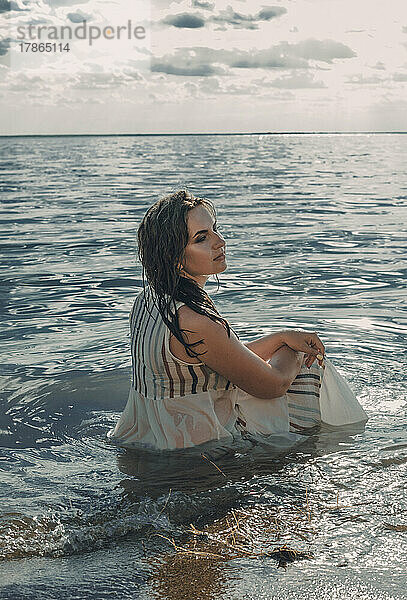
193 380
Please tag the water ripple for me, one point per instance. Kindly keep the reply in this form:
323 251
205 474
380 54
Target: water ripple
316 238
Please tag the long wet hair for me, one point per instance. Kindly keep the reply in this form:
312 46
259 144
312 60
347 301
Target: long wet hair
162 238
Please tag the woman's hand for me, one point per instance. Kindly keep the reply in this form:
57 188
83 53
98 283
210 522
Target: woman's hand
307 342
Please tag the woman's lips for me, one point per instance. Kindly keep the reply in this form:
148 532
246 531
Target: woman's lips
220 257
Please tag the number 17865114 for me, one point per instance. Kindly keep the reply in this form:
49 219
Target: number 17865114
44 47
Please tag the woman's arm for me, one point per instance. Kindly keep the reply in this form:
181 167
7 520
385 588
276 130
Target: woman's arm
238 363
301 341
266 346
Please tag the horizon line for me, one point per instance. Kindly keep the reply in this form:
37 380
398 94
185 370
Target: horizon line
19 135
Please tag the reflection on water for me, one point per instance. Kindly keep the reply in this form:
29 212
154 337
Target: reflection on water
316 238
211 466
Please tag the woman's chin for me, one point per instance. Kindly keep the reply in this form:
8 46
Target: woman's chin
222 266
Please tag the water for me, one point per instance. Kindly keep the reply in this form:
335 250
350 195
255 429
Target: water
316 238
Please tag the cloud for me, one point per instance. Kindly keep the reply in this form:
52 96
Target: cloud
271 12
323 50
202 70
202 61
87 77
185 21
204 5
400 77
225 17
380 66
229 16
206 61
58 3
212 87
4 46
297 81
188 62
27 83
101 81
10 5
78 17
277 57
365 80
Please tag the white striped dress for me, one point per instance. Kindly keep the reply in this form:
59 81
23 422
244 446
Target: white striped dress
157 373
176 404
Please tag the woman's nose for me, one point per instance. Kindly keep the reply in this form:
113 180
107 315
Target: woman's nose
220 241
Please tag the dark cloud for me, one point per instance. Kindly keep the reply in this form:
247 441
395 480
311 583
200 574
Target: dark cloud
237 20
201 61
225 17
205 61
324 50
231 17
271 12
278 57
204 5
195 62
78 17
10 5
192 71
57 3
4 46
4 6
185 21
16 6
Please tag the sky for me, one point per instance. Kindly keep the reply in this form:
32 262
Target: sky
203 66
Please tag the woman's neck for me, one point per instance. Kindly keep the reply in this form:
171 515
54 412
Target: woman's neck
199 279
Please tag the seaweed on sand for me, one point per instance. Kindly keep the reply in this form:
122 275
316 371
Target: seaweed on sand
202 561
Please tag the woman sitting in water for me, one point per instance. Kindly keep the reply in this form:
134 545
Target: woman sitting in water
193 380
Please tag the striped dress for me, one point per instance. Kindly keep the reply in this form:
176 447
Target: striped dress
156 372
175 404
172 403
298 411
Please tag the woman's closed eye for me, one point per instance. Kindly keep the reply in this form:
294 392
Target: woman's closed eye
201 239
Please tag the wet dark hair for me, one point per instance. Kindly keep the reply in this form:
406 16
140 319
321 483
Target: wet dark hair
162 238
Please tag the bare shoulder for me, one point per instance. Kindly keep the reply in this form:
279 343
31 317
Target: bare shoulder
187 316
199 326
226 355
188 319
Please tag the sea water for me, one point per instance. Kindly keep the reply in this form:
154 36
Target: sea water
315 227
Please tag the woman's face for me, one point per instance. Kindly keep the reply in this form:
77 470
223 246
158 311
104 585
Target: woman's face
205 244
